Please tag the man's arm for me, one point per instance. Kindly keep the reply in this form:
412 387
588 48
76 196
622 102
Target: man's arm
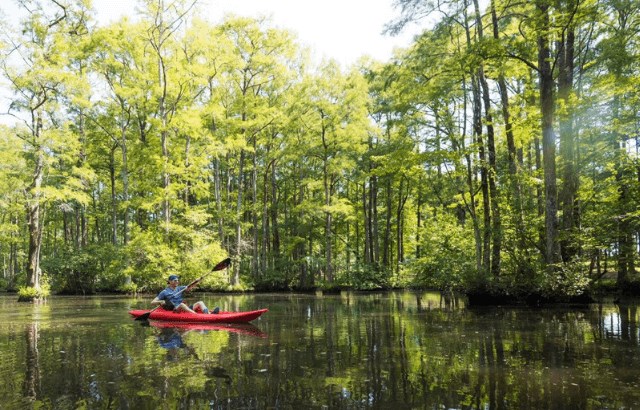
158 301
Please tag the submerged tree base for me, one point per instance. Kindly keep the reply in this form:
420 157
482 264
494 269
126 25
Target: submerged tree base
33 294
27 299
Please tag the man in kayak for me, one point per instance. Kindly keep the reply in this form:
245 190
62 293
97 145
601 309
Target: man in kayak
171 298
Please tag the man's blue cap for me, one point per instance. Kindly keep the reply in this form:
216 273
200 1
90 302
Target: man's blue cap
172 277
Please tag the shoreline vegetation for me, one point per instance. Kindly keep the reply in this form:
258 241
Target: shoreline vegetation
607 290
498 155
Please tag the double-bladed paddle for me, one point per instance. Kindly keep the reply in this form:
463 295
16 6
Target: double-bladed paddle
222 265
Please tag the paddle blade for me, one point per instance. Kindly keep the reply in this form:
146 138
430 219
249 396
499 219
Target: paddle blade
222 265
144 316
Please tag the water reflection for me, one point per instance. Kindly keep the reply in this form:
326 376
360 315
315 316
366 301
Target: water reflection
171 340
370 350
621 324
170 336
240 328
31 384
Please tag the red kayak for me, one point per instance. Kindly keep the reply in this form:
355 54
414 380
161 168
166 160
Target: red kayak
221 317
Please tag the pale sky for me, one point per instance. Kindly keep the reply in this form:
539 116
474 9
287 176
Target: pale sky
341 29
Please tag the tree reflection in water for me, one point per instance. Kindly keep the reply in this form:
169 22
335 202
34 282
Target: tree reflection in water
31 385
366 350
622 324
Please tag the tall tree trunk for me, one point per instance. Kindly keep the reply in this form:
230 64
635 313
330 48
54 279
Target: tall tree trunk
33 207
230 207
328 221
217 188
160 33
300 251
625 231
328 193
35 236
265 225
512 155
366 225
569 192
186 196
13 267
275 226
484 178
552 244
637 244
371 231
496 227
236 269
114 196
375 236
484 171
166 180
496 219
418 221
255 262
472 209
470 180
402 200
539 192
386 243
124 174
84 226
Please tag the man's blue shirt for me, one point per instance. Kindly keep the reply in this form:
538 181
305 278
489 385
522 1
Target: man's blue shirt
172 295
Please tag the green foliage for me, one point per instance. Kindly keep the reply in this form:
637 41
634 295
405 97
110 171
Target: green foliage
448 255
26 293
128 288
277 280
86 270
30 293
188 145
240 287
567 280
154 254
365 277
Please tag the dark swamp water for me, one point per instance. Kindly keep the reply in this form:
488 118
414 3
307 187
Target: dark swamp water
400 350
